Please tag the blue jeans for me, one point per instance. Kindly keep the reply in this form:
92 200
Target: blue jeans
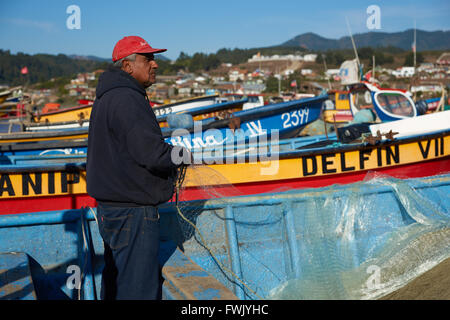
131 239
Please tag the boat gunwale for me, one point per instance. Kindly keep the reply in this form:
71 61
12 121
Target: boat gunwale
254 113
64 110
333 191
209 108
269 198
188 100
281 155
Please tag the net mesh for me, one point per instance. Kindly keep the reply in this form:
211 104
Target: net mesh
361 241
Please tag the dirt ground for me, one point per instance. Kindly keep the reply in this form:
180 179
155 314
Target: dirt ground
432 285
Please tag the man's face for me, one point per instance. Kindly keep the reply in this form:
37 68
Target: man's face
143 69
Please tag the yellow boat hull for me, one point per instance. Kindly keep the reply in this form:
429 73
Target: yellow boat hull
420 157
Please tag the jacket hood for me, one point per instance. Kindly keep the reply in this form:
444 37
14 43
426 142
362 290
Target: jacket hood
116 78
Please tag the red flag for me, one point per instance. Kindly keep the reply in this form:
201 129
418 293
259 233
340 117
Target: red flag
24 70
294 83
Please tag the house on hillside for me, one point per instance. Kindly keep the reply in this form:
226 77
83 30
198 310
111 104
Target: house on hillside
253 88
290 57
237 74
159 91
444 59
404 72
226 87
332 72
310 57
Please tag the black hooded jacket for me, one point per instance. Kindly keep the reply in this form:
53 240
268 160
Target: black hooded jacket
128 161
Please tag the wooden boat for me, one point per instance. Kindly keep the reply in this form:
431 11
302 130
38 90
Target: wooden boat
69 117
213 111
254 100
284 119
36 148
338 110
10 94
73 114
3 96
244 247
249 169
289 118
44 135
209 111
387 104
185 104
434 103
10 102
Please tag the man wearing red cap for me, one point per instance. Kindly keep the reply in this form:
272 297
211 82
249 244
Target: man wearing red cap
130 171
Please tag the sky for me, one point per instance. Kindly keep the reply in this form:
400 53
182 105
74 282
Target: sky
190 26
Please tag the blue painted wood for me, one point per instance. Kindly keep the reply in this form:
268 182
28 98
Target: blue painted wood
265 226
293 147
15 277
185 279
282 120
206 109
232 238
56 242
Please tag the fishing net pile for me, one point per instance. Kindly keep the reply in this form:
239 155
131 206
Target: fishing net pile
360 241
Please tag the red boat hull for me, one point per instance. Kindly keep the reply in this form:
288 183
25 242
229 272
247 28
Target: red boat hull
76 201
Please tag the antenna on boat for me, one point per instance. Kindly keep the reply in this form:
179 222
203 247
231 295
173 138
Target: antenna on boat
414 48
373 68
353 42
279 83
326 69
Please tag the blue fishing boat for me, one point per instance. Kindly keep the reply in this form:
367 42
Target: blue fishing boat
285 119
45 147
215 110
53 182
78 147
388 104
327 243
186 104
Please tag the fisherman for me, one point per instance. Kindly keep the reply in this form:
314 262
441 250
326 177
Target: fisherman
130 171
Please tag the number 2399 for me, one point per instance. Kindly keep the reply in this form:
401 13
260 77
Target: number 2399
294 118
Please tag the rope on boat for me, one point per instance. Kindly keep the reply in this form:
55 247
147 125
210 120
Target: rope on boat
83 231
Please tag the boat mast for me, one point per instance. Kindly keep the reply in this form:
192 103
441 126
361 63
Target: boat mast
373 68
353 43
415 46
326 69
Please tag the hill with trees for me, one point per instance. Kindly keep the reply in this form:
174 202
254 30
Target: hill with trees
426 40
41 67
389 49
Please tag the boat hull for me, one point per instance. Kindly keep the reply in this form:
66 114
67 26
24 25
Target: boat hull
79 113
244 247
64 186
185 105
283 120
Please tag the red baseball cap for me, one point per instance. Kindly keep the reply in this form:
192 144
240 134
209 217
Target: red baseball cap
132 44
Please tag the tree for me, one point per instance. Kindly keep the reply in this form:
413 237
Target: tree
271 85
41 67
409 59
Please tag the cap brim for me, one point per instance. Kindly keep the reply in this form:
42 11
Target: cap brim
152 50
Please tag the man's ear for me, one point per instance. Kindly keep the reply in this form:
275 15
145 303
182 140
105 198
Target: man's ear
126 66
